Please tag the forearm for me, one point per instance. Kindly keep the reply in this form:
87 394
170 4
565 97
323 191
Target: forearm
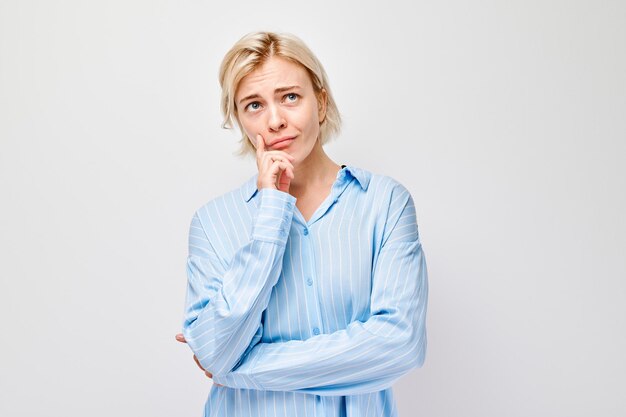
224 307
352 361
364 357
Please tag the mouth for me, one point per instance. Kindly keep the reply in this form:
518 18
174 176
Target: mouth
282 142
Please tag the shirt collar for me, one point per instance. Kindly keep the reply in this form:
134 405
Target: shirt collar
249 189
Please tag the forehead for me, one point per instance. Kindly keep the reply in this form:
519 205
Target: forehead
274 73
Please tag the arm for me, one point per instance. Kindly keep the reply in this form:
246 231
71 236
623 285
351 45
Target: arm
224 303
364 357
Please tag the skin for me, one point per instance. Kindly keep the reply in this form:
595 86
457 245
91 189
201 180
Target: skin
277 100
181 339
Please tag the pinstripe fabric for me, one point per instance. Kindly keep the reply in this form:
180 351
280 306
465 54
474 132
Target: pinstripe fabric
314 318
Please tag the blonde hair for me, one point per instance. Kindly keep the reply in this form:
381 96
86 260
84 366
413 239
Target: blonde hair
249 53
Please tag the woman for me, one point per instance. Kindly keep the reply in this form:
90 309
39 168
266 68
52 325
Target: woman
307 286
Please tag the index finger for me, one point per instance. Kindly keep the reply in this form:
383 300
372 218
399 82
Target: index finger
260 145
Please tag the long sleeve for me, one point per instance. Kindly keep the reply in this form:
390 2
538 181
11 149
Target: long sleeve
226 297
365 356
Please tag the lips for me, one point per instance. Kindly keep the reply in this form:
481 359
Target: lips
282 142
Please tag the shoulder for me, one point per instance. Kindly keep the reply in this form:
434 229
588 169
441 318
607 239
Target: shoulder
390 207
380 186
394 210
213 212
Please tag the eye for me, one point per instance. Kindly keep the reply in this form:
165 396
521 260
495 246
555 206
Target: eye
254 106
291 97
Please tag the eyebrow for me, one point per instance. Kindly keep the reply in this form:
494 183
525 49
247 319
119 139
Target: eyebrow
276 91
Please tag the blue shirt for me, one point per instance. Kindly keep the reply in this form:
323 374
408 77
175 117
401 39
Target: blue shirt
307 318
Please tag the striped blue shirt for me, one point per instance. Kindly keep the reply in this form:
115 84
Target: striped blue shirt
307 318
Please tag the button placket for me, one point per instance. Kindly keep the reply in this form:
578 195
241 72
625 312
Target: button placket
309 274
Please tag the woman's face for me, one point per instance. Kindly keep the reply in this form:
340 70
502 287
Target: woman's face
278 102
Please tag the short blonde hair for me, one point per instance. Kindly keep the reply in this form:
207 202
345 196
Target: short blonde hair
249 53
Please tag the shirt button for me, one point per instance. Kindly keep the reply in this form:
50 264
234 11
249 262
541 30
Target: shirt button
306 231
309 282
316 331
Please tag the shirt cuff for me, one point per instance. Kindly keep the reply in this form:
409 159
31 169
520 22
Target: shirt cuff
274 214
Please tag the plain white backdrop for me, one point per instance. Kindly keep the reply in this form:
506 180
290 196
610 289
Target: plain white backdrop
506 121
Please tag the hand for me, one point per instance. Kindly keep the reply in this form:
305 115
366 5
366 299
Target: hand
181 339
275 168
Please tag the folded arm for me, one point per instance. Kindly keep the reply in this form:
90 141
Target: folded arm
366 356
225 300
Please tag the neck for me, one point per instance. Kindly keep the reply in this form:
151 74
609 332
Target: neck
316 171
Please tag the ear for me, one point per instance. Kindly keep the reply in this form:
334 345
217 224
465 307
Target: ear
322 99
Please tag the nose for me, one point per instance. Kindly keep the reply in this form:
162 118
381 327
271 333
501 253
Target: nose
277 120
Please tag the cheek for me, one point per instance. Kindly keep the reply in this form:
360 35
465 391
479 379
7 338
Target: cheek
249 128
314 125
308 120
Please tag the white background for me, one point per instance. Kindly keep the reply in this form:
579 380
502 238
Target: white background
506 121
